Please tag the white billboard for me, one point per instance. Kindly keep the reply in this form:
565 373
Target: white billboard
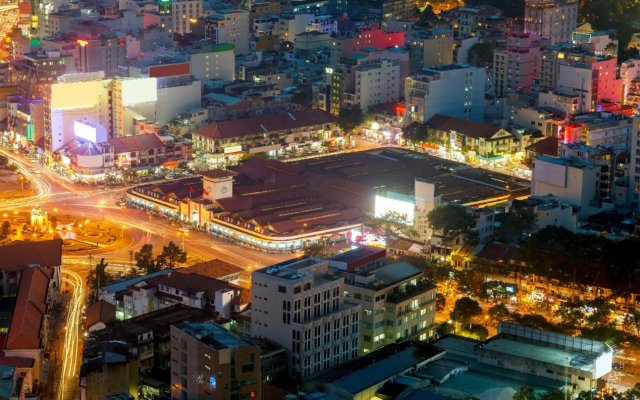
401 208
549 172
92 132
136 91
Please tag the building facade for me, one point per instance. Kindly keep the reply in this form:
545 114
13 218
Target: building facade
397 304
209 362
551 19
301 306
455 90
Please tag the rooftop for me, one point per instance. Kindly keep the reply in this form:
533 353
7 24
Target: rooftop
215 268
390 361
123 285
213 335
15 257
265 124
289 269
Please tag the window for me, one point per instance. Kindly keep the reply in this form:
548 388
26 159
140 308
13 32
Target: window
282 289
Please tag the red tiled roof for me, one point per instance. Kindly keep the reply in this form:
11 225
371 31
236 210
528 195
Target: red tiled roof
265 124
15 257
126 144
215 268
101 311
468 128
29 310
547 146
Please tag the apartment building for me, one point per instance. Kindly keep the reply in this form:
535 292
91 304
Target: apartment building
104 53
398 303
516 66
634 165
217 62
455 90
431 48
554 20
300 305
183 12
227 26
210 362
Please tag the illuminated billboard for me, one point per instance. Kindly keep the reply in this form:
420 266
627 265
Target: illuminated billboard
136 91
395 204
92 132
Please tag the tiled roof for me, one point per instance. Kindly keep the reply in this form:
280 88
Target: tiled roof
468 128
29 310
101 311
126 144
192 283
15 257
547 146
265 124
215 268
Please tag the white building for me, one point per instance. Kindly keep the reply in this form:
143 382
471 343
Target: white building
455 90
550 19
571 181
378 83
183 12
217 62
634 165
230 26
397 304
300 306
516 66
289 26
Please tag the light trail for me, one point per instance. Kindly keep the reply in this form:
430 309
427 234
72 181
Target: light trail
72 335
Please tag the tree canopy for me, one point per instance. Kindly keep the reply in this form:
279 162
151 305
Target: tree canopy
481 53
517 224
171 255
350 118
453 221
98 277
465 309
391 225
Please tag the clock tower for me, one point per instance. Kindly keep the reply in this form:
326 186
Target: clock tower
217 184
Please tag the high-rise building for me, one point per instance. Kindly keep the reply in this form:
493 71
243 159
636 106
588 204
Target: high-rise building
554 20
372 37
105 53
593 82
184 13
397 304
300 305
455 90
431 48
516 66
227 26
634 165
209 362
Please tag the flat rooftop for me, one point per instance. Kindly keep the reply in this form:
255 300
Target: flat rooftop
289 269
213 335
549 355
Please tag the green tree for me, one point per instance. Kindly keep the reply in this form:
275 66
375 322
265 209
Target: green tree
453 221
517 224
465 309
478 331
318 249
391 225
470 282
556 394
535 321
350 118
632 320
6 228
481 53
171 255
441 302
499 312
98 277
426 15
571 314
144 259
525 393
601 311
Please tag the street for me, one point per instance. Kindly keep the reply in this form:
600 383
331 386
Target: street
64 199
